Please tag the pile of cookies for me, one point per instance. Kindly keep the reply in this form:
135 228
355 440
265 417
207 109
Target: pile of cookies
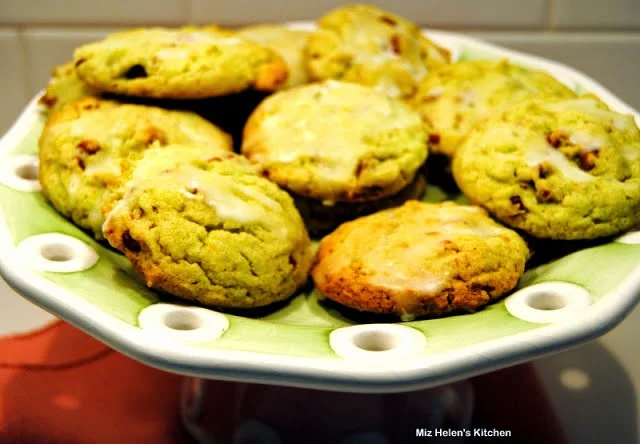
335 128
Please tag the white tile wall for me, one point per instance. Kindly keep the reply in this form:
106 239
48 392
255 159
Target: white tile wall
90 12
611 59
477 13
12 86
46 48
596 13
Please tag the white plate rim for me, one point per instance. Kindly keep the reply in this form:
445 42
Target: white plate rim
328 374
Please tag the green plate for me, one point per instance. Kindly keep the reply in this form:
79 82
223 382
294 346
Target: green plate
574 295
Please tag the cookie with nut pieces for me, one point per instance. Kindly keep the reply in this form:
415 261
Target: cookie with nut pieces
370 46
183 63
209 228
420 259
83 146
567 169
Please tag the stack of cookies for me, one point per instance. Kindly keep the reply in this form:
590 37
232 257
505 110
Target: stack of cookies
334 127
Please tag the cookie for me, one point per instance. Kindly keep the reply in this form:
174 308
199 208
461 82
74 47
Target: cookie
320 218
453 98
209 229
82 147
289 43
336 142
367 45
560 170
185 63
64 88
420 259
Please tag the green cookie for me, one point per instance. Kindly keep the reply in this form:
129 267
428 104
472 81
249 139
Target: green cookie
367 45
83 146
561 169
184 63
209 229
453 98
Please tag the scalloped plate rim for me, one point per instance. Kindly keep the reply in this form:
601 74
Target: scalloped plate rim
327 374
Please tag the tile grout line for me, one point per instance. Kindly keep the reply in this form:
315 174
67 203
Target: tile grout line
563 34
550 13
24 63
188 12
85 27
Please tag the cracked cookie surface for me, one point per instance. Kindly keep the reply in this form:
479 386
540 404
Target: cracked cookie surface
336 142
82 148
367 45
64 88
453 98
289 43
560 169
183 63
209 229
420 259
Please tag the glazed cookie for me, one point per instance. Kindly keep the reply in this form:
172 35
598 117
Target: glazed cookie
185 63
289 43
336 142
64 88
561 170
420 259
453 98
367 45
209 229
82 147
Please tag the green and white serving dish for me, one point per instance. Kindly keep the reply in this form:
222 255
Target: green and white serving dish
307 342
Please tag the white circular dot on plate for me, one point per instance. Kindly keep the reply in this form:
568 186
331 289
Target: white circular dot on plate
181 323
56 252
630 238
575 379
377 341
20 173
183 319
548 302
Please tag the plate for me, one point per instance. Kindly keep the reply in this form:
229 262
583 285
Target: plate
308 341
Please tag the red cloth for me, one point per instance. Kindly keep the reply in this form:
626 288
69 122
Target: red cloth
58 385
